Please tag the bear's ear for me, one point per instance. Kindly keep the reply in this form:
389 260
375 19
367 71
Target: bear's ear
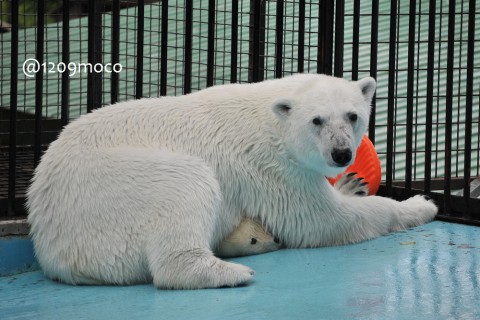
367 86
282 108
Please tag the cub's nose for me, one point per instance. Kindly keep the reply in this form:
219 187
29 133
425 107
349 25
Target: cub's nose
342 156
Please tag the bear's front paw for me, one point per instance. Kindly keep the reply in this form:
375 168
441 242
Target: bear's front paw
351 185
421 209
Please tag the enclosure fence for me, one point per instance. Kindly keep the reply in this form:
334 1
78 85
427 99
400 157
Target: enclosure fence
423 54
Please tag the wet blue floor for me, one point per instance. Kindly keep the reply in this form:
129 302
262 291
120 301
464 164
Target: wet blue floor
429 272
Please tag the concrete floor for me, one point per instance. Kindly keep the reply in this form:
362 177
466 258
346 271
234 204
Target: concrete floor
428 272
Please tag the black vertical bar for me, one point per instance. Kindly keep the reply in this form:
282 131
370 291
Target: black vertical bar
140 41
114 85
255 29
339 36
301 36
257 46
449 105
279 40
373 65
211 43
325 32
65 95
439 90
37 147
355 38
187 82
469 104
234 44
391 97
164 49
459 53
410 89
12 152
430 86
94 82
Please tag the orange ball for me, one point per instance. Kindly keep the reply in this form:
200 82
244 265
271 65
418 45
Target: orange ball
366 165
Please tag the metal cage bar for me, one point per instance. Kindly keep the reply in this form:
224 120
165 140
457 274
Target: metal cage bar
234 43
339 36
187 82
257 44
65 95
211 43
373 65
115 78
12 147
39 56
429 101
325 32
279 40
469 105
355 38
164 49
94 86
301 37
449 106
140 42
410 93
391 97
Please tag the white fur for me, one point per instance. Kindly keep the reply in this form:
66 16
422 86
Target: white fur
146 190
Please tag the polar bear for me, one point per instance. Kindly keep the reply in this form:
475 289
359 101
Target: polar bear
146 190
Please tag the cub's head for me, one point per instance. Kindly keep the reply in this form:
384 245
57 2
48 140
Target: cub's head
323 121
249 238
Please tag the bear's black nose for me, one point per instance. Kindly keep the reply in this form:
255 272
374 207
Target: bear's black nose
341 156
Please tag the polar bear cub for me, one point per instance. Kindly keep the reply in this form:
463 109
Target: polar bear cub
146 190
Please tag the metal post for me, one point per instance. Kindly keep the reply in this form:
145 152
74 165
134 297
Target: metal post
211 43
12 151
187 82
140 41
339 27
429 104
410 89
37 147
391 97
373 65
469 104
257 42
164 49
279 40
234 44
65 95
114 85
94 82
325 32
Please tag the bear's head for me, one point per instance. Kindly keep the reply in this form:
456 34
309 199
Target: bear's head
323 121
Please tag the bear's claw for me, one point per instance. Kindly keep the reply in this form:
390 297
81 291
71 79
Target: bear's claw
351 185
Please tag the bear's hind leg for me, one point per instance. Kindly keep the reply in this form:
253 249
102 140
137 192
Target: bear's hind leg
188 200
196 269
180 257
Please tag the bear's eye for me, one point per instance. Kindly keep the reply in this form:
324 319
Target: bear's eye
353 117
317 121
253 241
